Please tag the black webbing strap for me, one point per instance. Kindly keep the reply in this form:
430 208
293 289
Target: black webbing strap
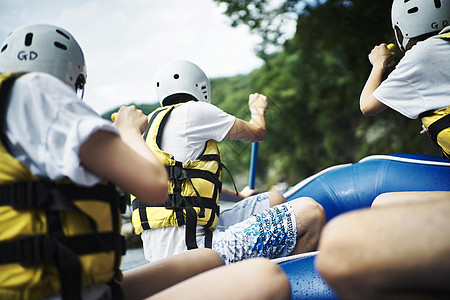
150 122
46 194
66 261
41 248
161 127
119 247
56 247
208 238
436 127
191 228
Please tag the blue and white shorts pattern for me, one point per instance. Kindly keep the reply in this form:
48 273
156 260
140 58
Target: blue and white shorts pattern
271 233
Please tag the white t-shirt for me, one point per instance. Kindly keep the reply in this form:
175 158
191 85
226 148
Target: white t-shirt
421 80
47 124
187 129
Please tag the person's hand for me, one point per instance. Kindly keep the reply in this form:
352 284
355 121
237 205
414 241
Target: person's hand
380 56
257 103
129 117
247 192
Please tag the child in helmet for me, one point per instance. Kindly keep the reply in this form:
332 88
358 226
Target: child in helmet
60 225
399 248
183 133
417 87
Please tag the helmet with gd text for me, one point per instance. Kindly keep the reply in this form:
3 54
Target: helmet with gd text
44 48
413 18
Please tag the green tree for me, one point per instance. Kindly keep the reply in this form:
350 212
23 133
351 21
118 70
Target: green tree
314 86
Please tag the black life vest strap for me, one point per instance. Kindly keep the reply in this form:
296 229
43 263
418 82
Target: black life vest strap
151 121
53 199
63 251
49 195
191 228
436 127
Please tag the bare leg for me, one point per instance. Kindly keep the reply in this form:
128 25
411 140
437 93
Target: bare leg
396 252
256 278
404 198
310 218
146 280
276 198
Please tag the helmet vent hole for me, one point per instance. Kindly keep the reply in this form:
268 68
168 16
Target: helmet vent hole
413 10
157 84
60 46
28 39
176 76
4 48
63 34
437 3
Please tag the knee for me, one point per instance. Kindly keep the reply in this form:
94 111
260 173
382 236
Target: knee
309 212
208 257
275 198
270 277
335 261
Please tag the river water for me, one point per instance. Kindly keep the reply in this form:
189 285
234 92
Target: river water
133 258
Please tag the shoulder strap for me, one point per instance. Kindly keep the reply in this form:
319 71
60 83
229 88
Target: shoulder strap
152 119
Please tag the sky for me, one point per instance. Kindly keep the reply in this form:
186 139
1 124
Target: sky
125 42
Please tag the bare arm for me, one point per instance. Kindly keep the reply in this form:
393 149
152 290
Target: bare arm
127 161
231 196
379 58
255 129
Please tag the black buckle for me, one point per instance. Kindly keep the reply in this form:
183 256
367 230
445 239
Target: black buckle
36 249
175 201
174 172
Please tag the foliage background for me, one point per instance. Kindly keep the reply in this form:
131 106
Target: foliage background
313 83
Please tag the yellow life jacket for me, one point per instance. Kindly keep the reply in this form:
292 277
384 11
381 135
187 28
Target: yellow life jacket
55 237
193 188
438 125
438 122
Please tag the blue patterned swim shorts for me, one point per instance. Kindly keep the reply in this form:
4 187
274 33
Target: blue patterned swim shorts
272 233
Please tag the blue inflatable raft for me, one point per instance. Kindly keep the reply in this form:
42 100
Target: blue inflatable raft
348 187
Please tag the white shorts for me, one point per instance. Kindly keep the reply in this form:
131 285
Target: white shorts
271 233
242 210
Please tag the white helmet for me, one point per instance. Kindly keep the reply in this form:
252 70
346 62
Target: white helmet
44 48
417 17
182 77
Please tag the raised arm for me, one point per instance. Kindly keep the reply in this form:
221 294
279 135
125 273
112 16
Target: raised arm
127 161
379 57
255 129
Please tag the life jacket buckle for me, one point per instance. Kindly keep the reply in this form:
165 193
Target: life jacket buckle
175 172
175 201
